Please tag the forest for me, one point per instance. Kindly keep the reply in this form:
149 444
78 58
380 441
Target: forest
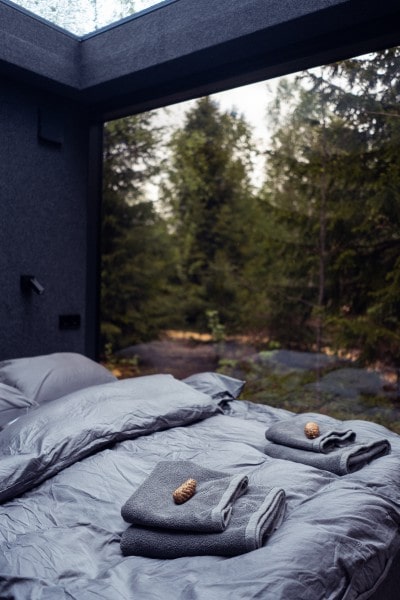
307 259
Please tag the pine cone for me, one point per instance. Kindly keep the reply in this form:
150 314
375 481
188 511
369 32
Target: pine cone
185 491
311 430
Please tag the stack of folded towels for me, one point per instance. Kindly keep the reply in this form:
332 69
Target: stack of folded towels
224 516
322 442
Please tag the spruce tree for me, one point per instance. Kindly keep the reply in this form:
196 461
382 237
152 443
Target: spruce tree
214 216
333 197
137 256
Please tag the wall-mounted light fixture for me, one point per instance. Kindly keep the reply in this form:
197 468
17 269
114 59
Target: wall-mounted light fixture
29 283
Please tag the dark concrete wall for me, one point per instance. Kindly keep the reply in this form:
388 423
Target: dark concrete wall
35 51
43 220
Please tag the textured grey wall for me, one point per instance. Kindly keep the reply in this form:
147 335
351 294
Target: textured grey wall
43 220
37 51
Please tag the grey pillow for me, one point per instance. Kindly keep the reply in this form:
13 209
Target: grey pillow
59 433
13 404
47 377
220 387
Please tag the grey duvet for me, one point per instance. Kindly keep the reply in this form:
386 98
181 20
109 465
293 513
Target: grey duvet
68 467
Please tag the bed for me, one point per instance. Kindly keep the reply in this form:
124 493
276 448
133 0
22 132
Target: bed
77 445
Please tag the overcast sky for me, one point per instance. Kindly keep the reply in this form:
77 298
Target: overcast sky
251 101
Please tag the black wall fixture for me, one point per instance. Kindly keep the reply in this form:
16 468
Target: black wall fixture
30 284
51 126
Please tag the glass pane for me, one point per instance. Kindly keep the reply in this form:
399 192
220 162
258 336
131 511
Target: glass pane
268 245
85 16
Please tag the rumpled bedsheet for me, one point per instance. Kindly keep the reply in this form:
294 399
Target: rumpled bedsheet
60 538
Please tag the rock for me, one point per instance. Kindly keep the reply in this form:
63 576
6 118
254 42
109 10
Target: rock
284 361
182 358
179 359
350 383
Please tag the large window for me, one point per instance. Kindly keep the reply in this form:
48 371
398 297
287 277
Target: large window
264 235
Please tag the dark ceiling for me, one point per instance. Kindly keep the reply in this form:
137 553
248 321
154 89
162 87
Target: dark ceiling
190 48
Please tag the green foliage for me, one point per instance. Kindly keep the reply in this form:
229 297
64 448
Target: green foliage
137 257
332 194
120 366
311 260
215 326
215 216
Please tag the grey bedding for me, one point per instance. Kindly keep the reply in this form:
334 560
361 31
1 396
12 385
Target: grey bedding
68 467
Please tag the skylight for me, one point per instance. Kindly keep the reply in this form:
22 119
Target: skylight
82 17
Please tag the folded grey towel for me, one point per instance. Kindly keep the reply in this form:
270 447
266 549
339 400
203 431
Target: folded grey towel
290 432
152 504
255 517
340 461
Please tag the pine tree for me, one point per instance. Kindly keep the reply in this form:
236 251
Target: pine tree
214 215
368 98
333 196
137 256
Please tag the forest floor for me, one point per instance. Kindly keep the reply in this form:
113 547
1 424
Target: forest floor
181 354
297 381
